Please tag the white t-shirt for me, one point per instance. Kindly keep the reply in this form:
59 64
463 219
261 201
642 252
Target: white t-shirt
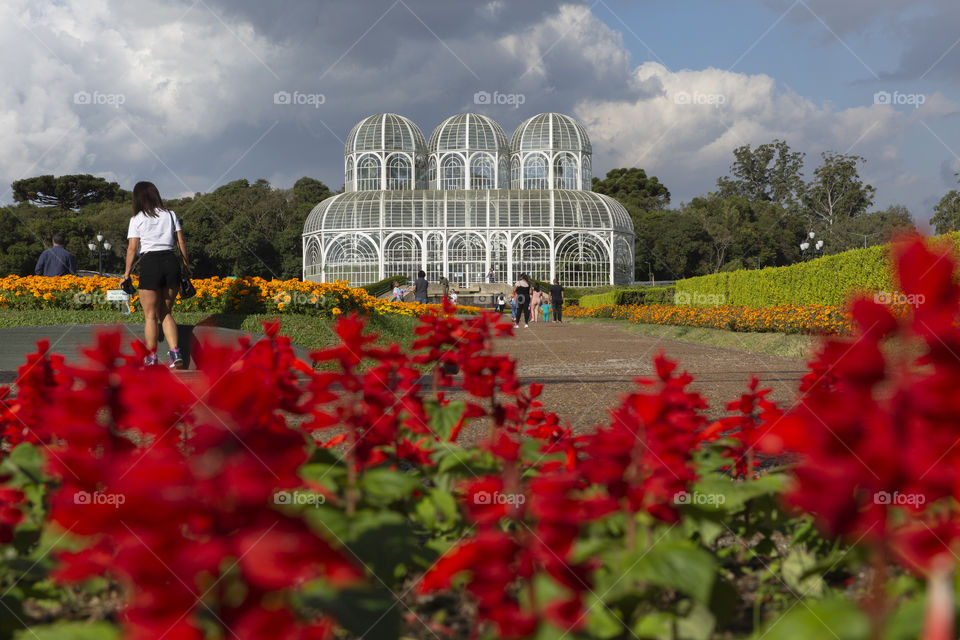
156 234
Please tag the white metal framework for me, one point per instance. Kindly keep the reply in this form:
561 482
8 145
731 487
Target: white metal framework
548 225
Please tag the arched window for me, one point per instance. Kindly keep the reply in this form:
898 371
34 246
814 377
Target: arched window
535 172
498 257
565 171
531 255
348 175
586 174
352 257
582 261
432 173
451 173
623 265
467 256
401 256
314 263
435 265
515 172
398 173
368 173
482 171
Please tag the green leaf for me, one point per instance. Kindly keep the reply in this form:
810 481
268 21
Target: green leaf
601 622
366 612
70 631
679 565
384 486
799 574
330 476
26 463
387 544
834 618
442 419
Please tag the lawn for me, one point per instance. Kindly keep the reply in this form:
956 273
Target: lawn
307 331
775 344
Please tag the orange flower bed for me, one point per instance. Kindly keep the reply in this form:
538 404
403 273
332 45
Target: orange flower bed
214 295
807 319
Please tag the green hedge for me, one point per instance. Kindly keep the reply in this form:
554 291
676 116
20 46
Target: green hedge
381 287
828 280
632 295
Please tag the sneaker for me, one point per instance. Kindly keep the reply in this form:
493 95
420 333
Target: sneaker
150 360
176 360
516 326
526 326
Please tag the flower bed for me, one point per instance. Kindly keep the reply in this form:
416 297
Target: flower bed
265 498
214 295
808 318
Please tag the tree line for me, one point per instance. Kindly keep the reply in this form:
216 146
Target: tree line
241 228
758 215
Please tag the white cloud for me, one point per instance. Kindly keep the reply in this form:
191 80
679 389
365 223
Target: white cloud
686 134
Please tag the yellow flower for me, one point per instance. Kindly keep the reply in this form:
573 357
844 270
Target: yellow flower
336 311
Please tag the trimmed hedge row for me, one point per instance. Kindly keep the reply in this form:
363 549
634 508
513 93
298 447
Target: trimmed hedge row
377 289
829 280
630 296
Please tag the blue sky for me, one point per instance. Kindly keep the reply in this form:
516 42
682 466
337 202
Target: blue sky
181 91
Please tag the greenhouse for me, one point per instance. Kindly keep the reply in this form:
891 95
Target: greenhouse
467 201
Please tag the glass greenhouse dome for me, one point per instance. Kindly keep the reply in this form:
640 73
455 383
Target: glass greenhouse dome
548 224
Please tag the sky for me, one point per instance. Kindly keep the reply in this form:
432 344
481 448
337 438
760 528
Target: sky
192 94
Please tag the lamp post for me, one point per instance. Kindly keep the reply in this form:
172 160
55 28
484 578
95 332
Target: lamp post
99 246
805 245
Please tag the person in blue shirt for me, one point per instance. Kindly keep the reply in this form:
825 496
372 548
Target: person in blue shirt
56 261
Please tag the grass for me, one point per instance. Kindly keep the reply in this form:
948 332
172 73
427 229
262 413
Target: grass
309 332
774 344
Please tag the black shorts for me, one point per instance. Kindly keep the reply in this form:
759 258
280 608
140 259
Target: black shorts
159 270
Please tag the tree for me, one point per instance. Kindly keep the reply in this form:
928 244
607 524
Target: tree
837 192
947 213
724 220
769 173
633 189
875 227
66 192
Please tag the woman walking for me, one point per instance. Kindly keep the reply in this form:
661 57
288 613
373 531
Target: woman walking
535 300
152 234
522 292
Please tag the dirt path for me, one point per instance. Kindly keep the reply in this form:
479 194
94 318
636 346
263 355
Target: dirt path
586 368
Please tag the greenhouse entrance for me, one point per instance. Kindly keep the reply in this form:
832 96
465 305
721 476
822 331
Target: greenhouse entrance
467 259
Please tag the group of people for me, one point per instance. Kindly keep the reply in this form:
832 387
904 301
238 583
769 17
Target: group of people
420 286
529 302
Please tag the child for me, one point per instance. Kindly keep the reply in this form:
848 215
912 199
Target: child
545 305
513 308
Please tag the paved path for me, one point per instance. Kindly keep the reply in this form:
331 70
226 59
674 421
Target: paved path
587 367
